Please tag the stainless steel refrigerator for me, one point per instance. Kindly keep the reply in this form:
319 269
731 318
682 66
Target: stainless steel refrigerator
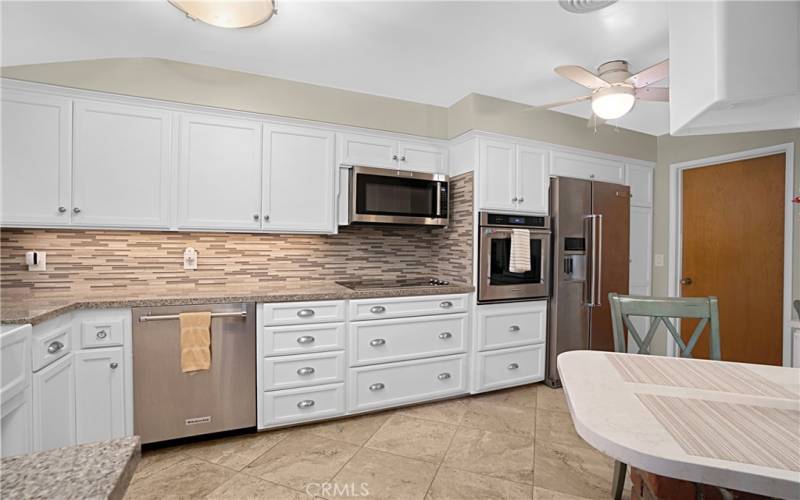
591 226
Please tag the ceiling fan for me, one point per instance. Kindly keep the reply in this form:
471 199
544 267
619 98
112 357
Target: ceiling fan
614 88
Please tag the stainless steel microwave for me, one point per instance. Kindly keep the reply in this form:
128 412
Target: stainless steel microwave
388 196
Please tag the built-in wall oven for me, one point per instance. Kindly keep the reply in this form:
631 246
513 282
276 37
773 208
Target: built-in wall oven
496 281
387 196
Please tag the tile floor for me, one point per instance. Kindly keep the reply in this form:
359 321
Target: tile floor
512 444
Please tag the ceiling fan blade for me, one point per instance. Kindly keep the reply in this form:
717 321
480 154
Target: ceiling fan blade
651 75
565 102
594 121
582 76
653 94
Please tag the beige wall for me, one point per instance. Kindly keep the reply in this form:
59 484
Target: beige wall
679 149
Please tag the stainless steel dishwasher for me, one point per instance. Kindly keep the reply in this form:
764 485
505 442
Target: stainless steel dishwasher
170 404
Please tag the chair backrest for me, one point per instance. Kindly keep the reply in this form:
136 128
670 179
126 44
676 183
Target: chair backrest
662 310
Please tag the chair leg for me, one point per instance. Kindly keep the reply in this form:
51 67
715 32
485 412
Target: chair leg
618 482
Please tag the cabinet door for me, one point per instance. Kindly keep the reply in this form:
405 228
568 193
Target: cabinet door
219 173
497 175
121 165
36 159
367 151
587 167
422 157
533 180
298 179
54 405
640 179
99 395
16 433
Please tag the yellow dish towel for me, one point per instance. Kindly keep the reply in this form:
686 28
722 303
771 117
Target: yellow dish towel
195 341
520 259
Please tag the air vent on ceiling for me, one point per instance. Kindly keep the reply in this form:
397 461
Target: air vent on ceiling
584 6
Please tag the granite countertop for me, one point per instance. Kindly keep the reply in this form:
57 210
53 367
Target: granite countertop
29 306
94 470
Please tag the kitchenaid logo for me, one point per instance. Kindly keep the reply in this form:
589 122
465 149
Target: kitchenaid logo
329 490
198 420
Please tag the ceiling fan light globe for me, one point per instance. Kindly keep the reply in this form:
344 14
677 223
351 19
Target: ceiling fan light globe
228 13
613 103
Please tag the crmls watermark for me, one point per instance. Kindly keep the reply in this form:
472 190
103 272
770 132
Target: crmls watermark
338 489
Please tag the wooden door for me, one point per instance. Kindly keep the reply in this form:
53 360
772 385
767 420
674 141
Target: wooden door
733 249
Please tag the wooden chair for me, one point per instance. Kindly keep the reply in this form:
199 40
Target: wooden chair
661 310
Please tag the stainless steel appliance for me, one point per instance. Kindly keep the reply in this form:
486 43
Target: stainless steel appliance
385 196
591 226
170 404
496 282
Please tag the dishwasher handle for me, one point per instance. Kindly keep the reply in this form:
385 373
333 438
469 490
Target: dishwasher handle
239 314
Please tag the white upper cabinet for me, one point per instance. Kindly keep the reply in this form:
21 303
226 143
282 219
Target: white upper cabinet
533 180
586 167
422 157
498 175
299 168
640 179
385 152
120 172
36 158
367 151
219 173
99 395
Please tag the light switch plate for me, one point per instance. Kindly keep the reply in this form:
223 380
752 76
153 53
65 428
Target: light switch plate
36 261
659 258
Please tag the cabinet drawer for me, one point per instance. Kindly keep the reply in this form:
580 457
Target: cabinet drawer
406 338
285 372
101 333
307 403
511 325
508 367
279 340
50 345
295 313
406 306
406 382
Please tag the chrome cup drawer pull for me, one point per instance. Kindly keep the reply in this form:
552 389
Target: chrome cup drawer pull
306 370
102 334
445 335
305 313
513 366
377 309
377 342
513 328
54 347
446 304
376 387
306 403
443 376
305 339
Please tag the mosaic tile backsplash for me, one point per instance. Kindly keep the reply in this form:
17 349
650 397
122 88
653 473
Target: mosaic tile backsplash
84 259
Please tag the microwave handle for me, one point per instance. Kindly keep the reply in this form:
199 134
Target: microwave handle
438 199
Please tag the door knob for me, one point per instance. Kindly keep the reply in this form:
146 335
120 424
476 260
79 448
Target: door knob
686 281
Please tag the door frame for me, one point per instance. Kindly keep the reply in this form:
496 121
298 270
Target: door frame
675 245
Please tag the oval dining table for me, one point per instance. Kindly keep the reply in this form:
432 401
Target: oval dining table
732 425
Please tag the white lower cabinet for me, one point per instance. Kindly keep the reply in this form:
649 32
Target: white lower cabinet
285 372
508 367
54 405
16 427
298 405
99 395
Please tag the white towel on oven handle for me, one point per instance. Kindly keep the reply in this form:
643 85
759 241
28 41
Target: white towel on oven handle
520 260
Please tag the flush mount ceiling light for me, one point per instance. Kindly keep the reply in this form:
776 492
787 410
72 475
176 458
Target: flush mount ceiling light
228 13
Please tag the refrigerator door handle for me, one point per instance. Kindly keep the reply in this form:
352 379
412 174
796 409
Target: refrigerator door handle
598 276
592 278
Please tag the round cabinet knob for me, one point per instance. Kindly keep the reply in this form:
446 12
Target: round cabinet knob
102 334
513 328
377 342
514 199
376 387
114 365
256 217
61 210
266 217
306 370
306 403
76 210
305 339
394 157
305 313
443 376
377 309
591 176
402 158
54 347
445 335
513 366
446 304
521 199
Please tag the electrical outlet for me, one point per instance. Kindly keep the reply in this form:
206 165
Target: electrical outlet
659 258
190 259
36 261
